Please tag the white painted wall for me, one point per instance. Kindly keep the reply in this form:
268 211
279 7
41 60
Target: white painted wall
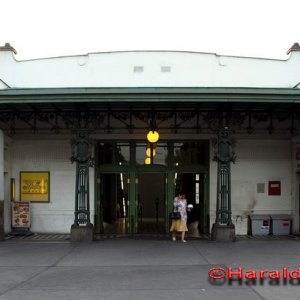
53 156
258 161
263 160
116 69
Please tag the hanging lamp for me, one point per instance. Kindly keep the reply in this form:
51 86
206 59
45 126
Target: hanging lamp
147 161
152 135
149 148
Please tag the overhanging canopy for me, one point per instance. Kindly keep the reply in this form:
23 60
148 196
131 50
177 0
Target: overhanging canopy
131 109
175 95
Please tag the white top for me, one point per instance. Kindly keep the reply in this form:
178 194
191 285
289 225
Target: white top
149 69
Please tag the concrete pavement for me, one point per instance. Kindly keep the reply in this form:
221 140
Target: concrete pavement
140 269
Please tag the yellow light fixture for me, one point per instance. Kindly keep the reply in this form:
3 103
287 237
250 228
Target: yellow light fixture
148 152
148 161
152 136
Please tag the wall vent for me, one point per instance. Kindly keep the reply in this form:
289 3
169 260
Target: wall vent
165 69
138 69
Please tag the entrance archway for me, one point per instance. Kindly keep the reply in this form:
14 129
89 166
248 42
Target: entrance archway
134 198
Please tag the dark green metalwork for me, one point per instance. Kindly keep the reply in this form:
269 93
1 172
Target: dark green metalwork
170 194
144 94
224 155
81 147
132 207
186 117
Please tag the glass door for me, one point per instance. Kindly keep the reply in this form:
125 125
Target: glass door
113 208
151 203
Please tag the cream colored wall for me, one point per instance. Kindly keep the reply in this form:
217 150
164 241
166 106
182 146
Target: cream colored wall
258 161
56 216
116 69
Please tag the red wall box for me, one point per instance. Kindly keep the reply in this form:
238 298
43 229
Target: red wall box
274 188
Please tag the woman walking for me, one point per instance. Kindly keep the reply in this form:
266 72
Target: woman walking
180 204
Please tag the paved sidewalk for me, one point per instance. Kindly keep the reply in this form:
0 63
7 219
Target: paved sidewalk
140 269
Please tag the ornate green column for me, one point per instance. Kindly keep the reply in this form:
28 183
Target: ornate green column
223 228
82 229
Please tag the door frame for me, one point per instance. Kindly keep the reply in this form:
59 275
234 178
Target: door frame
98 203
133 171
145 169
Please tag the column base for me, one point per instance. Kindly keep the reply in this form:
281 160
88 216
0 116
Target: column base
83 234
223 233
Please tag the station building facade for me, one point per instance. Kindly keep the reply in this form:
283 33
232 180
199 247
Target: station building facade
83 120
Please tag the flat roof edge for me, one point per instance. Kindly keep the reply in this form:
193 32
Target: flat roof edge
149 95
147 90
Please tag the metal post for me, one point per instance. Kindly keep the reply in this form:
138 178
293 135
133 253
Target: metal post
82 229
223 229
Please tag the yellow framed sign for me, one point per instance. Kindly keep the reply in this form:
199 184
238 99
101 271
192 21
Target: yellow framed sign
35 186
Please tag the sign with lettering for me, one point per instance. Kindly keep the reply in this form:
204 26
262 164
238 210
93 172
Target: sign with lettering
34 186
274 188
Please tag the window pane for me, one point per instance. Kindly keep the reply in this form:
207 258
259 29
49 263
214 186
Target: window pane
113 153
197 193
160 153
190 153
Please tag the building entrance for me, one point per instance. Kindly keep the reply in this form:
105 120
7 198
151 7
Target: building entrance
131 207
132 197
151 203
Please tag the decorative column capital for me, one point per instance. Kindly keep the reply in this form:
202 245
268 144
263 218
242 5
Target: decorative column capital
82 147
224 146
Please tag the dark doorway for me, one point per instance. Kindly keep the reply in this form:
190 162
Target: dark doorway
151 203
193 186
114 203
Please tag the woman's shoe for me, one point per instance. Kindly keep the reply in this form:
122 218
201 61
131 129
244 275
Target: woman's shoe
184 241
174 239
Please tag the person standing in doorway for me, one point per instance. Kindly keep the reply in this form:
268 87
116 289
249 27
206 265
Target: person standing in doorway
180 204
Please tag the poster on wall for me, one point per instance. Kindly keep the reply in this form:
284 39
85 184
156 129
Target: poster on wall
21 215
274 188
34 186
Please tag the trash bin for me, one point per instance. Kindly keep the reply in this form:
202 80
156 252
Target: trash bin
281 224
260 224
